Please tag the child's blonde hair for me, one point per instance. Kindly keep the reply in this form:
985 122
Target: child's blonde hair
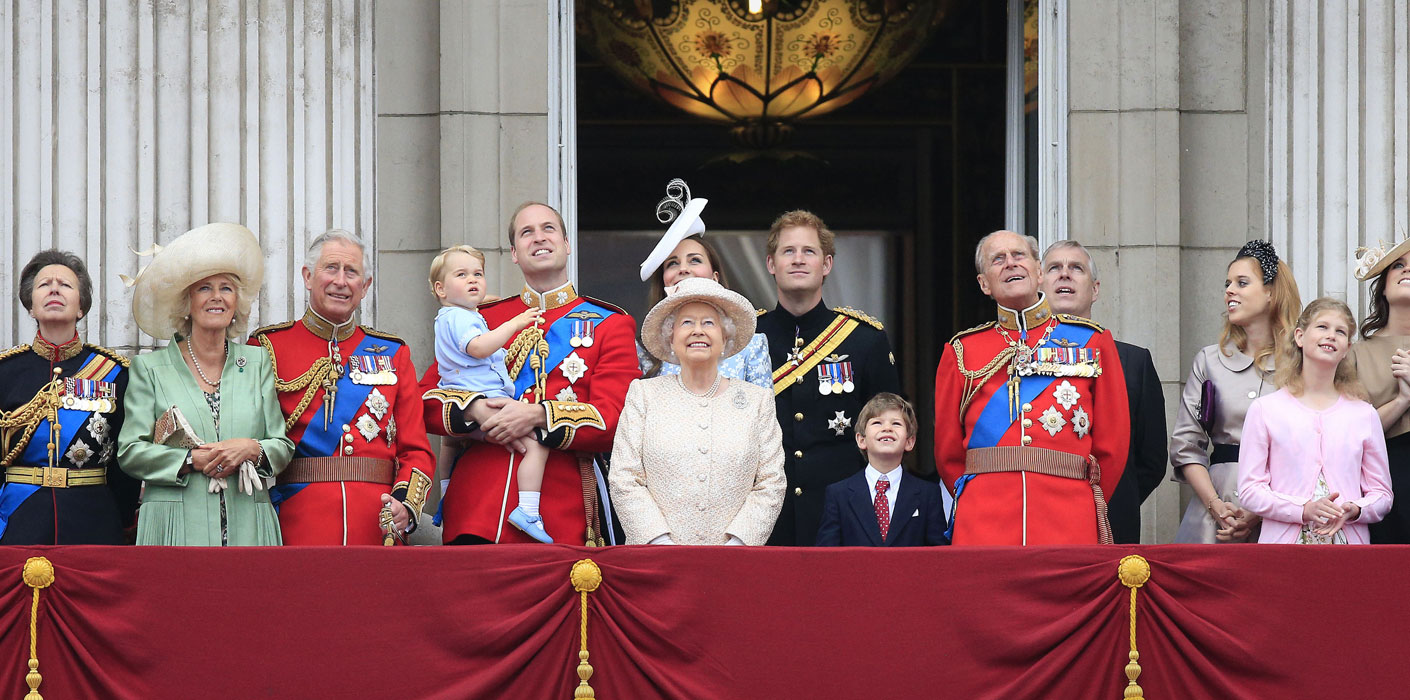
438 263
1289 363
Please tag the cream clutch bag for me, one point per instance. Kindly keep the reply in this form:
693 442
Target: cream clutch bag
173 430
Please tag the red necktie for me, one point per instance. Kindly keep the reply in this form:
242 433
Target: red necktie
883 507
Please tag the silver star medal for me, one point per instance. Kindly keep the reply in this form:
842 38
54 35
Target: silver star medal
78 453
98 427
392 432
367 427
567 394
573 368
840 423
377 404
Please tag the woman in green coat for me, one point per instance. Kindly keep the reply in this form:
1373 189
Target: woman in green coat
204 428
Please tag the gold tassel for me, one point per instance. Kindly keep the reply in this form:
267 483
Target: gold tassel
585 577
1133 572
38 573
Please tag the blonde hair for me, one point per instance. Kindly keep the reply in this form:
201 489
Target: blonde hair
883 402
239 320
438 263
827 240
1283 305
1290 357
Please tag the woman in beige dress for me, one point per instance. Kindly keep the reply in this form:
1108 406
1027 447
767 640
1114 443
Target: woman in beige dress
698 458
1261 304
1382 361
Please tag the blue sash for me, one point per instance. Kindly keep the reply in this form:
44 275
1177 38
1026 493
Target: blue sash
318 441
558 335
36 453
995 420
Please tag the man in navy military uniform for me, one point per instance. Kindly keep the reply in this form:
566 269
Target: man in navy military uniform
827 364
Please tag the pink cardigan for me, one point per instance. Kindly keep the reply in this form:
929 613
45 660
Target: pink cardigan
1285 443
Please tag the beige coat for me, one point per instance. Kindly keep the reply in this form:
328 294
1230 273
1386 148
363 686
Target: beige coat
1371 358
697 469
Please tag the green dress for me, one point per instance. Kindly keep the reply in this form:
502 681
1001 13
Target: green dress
180 510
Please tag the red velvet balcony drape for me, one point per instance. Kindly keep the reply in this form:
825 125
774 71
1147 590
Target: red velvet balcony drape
1243 621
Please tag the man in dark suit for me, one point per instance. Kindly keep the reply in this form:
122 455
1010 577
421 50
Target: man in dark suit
1071 285
881 506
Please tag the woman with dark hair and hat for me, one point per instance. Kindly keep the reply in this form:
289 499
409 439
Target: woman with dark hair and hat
698 457
204 428
60 410
1261 305
683 253
1382 362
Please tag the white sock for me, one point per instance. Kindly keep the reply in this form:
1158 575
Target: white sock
529 502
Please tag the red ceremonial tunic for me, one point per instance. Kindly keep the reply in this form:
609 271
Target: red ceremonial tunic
377 421
1053 409
584 388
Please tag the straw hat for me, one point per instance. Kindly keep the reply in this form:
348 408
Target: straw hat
1371 261
197 254
732 304
683 214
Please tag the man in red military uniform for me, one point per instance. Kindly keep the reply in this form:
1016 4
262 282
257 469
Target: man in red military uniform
1031 417
570 370
352 408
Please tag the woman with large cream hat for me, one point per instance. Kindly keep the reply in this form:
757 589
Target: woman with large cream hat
204 428
698 457
1382 362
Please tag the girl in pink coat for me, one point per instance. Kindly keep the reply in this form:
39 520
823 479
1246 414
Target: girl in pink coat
1313 458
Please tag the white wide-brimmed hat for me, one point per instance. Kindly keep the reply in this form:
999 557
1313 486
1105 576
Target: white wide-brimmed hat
703 289
212 249
683 214
1371 261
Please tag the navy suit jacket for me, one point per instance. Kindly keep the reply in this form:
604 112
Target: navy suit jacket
849 519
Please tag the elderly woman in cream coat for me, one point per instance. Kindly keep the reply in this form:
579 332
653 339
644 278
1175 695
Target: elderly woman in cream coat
698 458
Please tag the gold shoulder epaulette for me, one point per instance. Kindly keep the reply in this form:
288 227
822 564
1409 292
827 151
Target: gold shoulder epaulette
274 327
381 334
981 327
6 354
1080 321
859 315
760 312
604 304
114 355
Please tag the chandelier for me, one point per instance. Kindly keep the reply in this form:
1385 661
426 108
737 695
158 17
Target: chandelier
757 64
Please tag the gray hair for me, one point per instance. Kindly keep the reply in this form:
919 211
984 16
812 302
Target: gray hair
979 248
239 320
315 248
1069 243
669 324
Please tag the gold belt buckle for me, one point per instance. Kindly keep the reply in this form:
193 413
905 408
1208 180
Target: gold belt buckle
55 477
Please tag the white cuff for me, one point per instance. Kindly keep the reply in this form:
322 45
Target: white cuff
662 539
734 541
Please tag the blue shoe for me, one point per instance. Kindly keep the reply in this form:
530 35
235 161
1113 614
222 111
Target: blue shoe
532 525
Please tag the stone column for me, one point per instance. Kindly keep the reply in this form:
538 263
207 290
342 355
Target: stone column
125 124
1338 136
1125 178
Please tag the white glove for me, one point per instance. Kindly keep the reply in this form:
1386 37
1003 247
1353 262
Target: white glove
216 485
250 480
662 539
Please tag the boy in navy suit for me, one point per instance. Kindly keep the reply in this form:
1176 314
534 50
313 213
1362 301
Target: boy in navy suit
880 506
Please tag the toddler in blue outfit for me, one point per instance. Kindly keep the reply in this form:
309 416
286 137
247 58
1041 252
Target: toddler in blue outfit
471 357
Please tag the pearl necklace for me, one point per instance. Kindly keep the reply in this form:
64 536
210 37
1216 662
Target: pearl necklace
708 392
197 363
